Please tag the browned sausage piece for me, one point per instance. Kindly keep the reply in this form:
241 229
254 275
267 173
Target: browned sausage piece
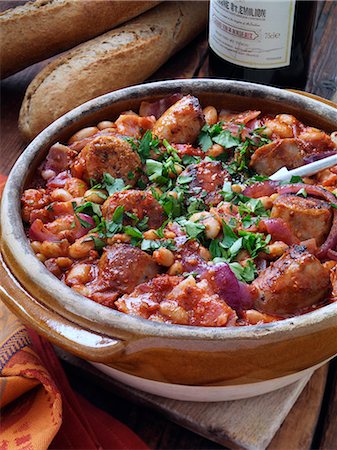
107 154
181 123
292 284
207 180
267 159
120 269
307 217
139 203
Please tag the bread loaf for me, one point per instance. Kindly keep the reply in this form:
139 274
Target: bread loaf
40 29
124 56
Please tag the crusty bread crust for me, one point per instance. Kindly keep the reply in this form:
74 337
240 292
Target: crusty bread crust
119 58
40 29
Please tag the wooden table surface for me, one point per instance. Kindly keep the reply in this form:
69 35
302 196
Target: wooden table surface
312 423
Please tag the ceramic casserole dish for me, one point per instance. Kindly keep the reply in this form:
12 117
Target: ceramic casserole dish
171 360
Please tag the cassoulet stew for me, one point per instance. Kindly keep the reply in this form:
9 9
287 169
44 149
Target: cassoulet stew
169 214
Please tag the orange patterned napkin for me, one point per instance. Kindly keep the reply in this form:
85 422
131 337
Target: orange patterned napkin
39 409
30 401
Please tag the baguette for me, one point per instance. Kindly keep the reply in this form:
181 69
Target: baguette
119 58
40 29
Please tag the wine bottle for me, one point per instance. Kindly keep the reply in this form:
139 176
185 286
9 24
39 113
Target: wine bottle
262 41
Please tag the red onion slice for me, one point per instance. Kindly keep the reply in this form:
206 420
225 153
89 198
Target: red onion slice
317 156
278 229
332 254
223 281
38 232
81 230
261 189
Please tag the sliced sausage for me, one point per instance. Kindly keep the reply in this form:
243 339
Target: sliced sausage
208 178
120 269
292 284
139 203
267 159
107 154
307 217
181 123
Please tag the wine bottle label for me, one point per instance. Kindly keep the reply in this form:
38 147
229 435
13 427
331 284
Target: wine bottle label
254 34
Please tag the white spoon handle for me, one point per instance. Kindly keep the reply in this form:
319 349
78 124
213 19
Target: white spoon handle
284 174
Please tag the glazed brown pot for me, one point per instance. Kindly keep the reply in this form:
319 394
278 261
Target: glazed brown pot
168 353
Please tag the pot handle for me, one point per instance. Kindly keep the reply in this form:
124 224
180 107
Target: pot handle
82 342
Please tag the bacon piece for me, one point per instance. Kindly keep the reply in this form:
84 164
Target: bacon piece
158 107
132 125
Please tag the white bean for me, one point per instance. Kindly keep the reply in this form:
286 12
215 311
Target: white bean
82 134
211 115
105 124
164 257
212 226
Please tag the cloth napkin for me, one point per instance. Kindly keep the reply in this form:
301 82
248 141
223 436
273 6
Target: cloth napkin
39 409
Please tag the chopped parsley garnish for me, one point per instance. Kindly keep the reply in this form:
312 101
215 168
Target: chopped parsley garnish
229 246
133 232
216 134
302 192
243 144
226 139
184 179
110 184
152 245
99 243
256 179
192 229
293 179
189 159
144 146
250 209
246 272
163 170
89 208
113 185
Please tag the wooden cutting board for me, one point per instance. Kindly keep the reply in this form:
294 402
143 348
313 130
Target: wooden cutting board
252 424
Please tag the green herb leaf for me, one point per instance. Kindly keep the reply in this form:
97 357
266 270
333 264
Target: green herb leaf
112 184
117 216
147 144
296 179
205 141
89 208
226 139
133 232
151 245
302 192
184 179
193 229
189 159
229 236
246 273
99 243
